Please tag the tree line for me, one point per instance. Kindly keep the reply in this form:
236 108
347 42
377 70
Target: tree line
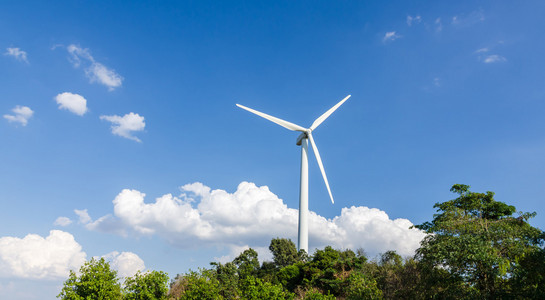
475 248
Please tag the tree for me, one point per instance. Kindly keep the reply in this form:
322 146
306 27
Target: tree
255 288
360 286
284 252
97 281
147 286
247 263
201 285
479 242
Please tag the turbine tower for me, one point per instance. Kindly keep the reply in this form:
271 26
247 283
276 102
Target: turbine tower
302 140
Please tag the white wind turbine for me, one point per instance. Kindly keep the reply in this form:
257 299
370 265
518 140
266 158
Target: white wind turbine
302 140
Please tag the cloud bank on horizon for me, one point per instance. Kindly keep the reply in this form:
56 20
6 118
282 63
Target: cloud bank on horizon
251 216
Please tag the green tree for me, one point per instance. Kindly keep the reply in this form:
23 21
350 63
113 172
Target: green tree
255 288
479 242
146 286
228 279
359 286
201 285
284 252
97 281
247 263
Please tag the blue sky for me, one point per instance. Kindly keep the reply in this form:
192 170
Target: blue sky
103 102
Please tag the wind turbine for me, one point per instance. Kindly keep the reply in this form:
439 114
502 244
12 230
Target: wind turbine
302 140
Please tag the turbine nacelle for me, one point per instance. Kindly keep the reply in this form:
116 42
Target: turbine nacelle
301 137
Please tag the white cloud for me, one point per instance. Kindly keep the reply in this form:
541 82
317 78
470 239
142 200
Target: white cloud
126 125
263 253
482 50
253 216
437 82
126 263
21 115
468 19
438 25
17 53
72 102
35 257
494 59
84 217
415 20
62 221
95 71
390 36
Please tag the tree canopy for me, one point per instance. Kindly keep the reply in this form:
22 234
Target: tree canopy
480 242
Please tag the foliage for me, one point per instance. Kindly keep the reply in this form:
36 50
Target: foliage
284 252
201 285
359 286
479 242
146 286
97 281
247 263
255 288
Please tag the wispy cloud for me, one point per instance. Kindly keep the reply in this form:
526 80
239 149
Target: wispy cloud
21 115
482 50
95 71
252 215
17 53
126 125
72 102
62 221
390 36
413 20
494 58
468 19
437 82
438 25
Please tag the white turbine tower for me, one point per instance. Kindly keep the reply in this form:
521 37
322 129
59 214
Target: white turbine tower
302 140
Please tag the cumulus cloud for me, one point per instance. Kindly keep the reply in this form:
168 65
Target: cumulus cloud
253 215
21 115
126 125
95 71
494 59
35 257
390 36
17 53
413 20
72 102
62 221
126 263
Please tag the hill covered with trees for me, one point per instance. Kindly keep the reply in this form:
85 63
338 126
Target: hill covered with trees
475 248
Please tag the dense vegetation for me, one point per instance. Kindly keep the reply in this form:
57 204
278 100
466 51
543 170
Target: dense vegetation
475 248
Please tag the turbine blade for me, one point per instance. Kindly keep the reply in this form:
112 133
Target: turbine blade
278 121
327 114
319 159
